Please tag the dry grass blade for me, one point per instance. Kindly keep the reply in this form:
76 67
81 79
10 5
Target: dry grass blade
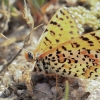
66 91
27 15
7 14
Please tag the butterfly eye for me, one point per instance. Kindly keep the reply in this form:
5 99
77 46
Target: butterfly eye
30 56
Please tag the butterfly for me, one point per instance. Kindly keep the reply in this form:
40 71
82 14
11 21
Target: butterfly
63 51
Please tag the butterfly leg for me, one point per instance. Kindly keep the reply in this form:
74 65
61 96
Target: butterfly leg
58 90
56 77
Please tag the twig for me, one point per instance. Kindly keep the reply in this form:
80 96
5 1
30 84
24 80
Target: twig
6 65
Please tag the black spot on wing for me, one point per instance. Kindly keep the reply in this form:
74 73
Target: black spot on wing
58 25
93 34
83 69
69 72
62 12
46 30
61 19
88 40
56 16
71 32
64 71
64 48
67 17
50 55
61 29
52 33
72 26
84 38
96 75
54 23
76 61
98 38
71 53
91 73
53 57
70 21
58 52
69 61
96 56
57 40
45 43
59 34
63 65
47 39
83 59
75 75
75 45
95 69
55 63
88 51
50 47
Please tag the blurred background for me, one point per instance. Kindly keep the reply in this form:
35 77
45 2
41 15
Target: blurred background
15 27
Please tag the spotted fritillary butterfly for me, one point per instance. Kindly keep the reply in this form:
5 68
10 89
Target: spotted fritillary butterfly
61 50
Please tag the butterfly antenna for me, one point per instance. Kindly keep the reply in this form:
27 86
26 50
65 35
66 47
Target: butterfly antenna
9 40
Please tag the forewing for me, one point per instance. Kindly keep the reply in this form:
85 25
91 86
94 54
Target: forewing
61 28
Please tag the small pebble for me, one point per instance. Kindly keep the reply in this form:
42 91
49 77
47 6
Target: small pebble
44 88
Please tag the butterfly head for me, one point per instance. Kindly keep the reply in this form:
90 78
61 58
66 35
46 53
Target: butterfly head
29 56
